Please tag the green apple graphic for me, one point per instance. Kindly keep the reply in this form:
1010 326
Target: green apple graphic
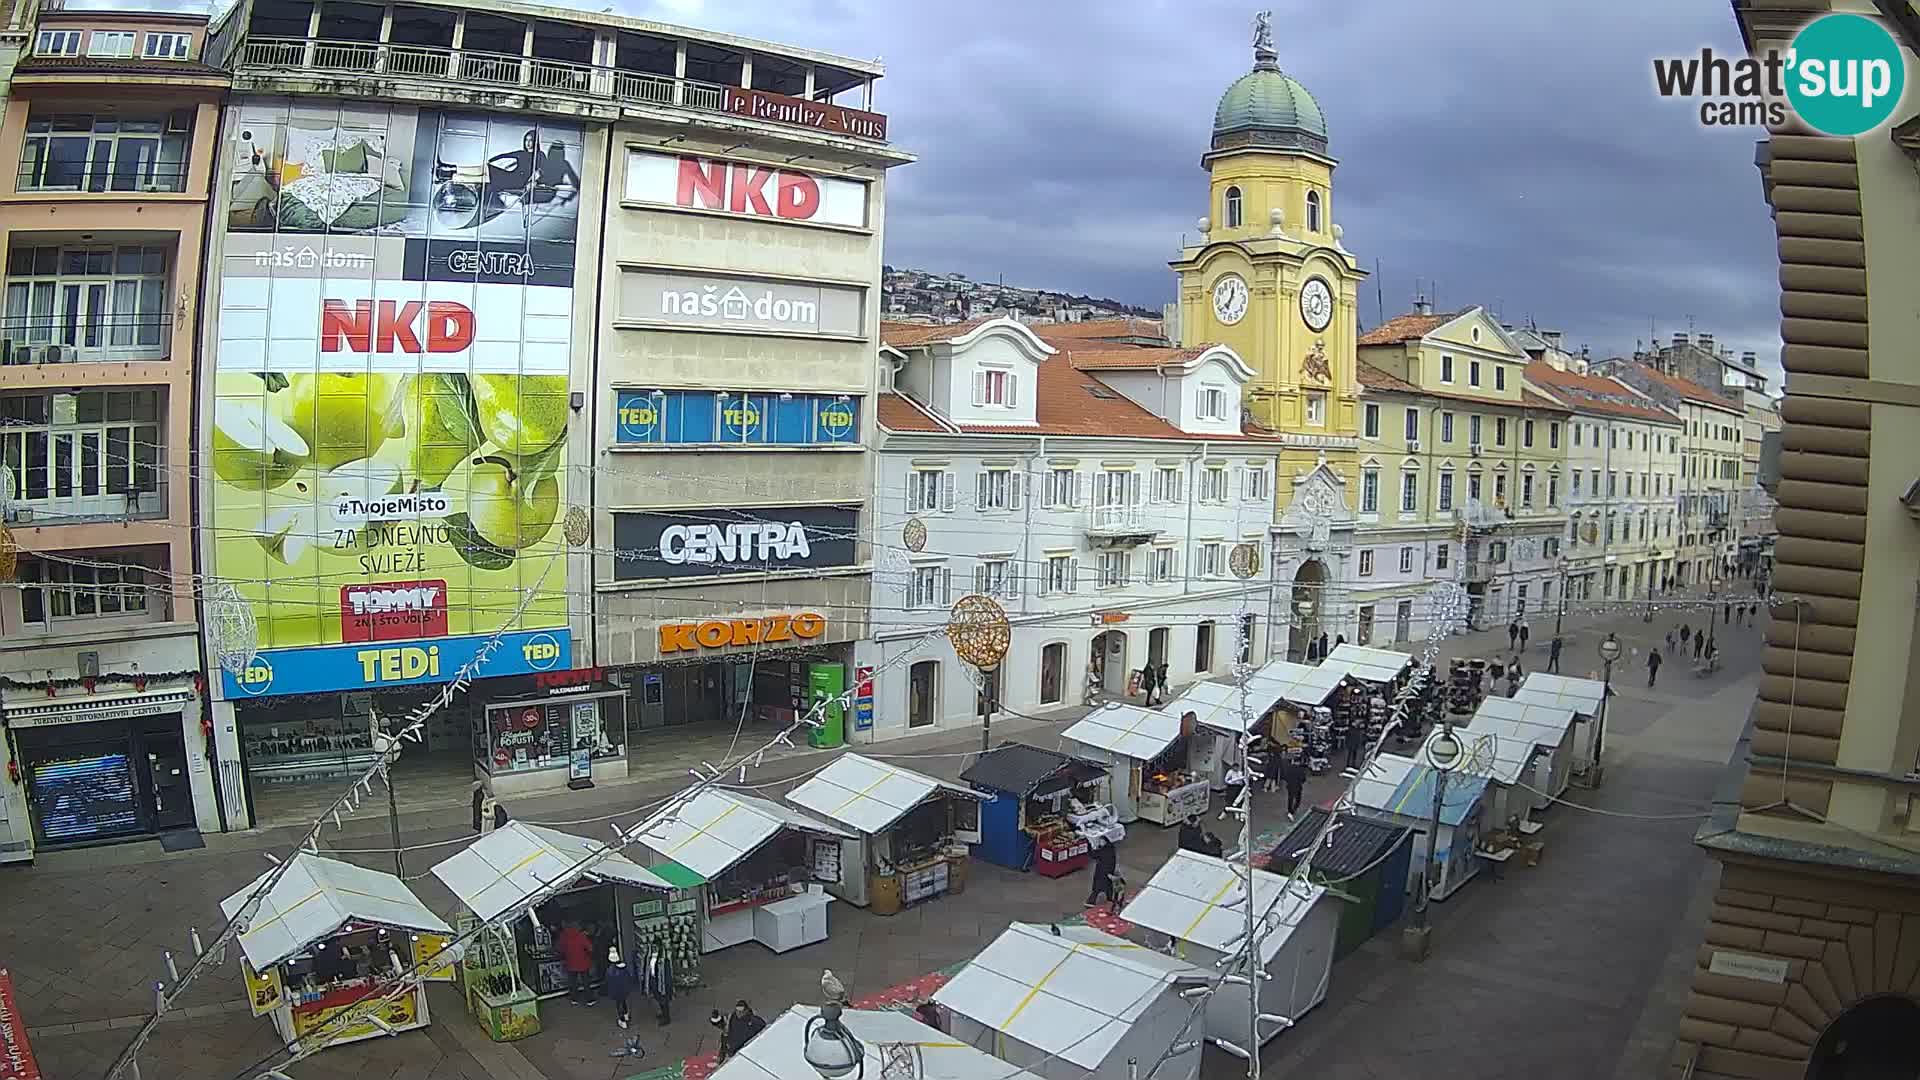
516 413
343 417
439 425
507 507
252 448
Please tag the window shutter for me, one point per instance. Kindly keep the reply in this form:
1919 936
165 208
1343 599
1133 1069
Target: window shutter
1014 568
979 388
980 578
1133 488
1016 483
1082 489
946 491
982 489
913 492
1073 575
946 585
1013 390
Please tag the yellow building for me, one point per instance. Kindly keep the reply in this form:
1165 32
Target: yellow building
1462 469
1270 279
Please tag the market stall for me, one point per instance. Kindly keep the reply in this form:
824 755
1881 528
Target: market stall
1506 758
1218 720
1583 696
1038 795
501 871
324 940
1196 903
762 866
1073 1003
1400 791
1376 666
910 831
1366 859
1147 753
1551 727
779 1052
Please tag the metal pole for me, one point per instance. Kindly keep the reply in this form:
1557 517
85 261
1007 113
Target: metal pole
1560 612
393 826
1600 723
989 689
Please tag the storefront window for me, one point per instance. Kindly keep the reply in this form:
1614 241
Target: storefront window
541 734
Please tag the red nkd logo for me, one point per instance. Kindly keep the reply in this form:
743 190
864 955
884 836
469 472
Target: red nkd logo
742 189
390 326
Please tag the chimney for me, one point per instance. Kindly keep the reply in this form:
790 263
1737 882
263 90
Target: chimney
1749 358
1422 306
1679 341
1706 342
1552 336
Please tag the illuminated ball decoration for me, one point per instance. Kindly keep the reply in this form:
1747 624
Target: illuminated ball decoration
914 535
977 628
232 633
579 527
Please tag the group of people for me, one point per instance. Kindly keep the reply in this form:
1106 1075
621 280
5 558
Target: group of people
1319 648
652 975
1153 683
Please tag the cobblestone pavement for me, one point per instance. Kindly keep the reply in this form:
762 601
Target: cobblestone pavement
1563 964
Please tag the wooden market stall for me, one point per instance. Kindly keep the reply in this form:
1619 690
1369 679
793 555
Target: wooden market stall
1196 903
1551 727
1400 791
762 866
1309 733
1036 797
1073 1003
910 831
1507 758
1217 720
1376 666
328 938
779 1052
500 873
1366 859
1583 696
1146 751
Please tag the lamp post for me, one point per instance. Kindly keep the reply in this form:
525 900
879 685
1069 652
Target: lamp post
1443 753
1560 611
1609 654
830 1049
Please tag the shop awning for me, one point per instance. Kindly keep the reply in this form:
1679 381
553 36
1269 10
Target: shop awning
1581 695
499 871
1411 795
1552 720
317 896
1302 684
1368 665
867 795
1217 705
1075 995
778 1053
1128 730
1023 770
1189 896
717 828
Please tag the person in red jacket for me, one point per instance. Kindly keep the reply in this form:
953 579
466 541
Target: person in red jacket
576 955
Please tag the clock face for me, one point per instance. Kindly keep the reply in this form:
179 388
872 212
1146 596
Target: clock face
1316 304
1230 299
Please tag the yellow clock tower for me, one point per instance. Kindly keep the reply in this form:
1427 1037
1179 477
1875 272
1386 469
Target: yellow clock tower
1269 276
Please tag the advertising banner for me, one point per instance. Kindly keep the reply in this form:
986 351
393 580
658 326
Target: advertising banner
16 1053
742 305
696 543
264 991
745 188
720 418
394 337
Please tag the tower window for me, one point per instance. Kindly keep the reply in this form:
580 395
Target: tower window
1313 211
1230 212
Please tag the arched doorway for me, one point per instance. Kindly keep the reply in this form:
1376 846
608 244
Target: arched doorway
1107 672
1878 1038
1307 606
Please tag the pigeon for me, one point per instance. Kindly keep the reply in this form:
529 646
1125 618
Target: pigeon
832 988
1055 928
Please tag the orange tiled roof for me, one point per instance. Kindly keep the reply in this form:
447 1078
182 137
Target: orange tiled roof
1595 394
1095 329
1407 327
1371 376
904 335
1540 401
901 413
1687 388
1111 357
1067 401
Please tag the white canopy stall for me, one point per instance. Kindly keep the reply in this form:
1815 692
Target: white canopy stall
1150 776
1305 685
1073 1003
1197 901
1506 755
325 938
1552 727
778 1053
1368 664
908 830
1583 696
1217 708
759 861
1401 791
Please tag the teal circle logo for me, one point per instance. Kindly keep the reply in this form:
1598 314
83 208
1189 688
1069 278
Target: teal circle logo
257 677
1845 74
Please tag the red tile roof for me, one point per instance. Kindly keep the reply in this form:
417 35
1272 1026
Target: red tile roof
901 413
1373 378
1591 393
1095 329
1067 401
1408 327
1113 357
1540 401
903 335
1686 388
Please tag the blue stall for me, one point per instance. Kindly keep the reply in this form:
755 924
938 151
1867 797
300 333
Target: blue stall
1027 824
1366 862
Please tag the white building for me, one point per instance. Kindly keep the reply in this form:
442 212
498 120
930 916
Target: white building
1623 474
1097 493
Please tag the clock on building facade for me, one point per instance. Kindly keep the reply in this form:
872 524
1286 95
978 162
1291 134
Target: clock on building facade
1230 299
1316 304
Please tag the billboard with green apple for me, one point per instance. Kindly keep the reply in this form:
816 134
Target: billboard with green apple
387 437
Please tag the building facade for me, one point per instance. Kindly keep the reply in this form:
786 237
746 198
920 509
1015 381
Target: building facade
1712 439
1623 477
1808 967
110 123
1461 458
1097 491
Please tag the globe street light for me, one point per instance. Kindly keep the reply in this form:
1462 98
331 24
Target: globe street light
1443 754
1609 654
833 1051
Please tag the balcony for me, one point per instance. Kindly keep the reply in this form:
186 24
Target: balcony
89 303
1119 526
106 151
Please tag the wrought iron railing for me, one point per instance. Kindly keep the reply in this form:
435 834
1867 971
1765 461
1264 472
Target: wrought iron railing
80 178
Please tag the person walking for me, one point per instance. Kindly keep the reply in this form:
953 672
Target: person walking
1553 653
1653 666
1160 680
620 979
576 957
1294 775
1146 684
1699 646
1105 858
1523 637
1513 634
738 1029
1686 635
1726 613
1669 643
1356 744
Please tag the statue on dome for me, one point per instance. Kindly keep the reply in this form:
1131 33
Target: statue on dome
1263 31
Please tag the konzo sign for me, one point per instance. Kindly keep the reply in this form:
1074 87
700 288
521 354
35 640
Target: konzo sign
707 541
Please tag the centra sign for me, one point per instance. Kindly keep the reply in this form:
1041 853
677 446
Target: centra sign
724 633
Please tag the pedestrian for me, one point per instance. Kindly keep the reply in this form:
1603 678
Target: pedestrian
1146 684
928 1013
620 978
1553 653
1160 680
576 957
1726 613
1513 678
1294 775
1513 634
1105 858
1356 744
1686 634
1272 764
1699 645
1339 640
1653 666
738 1029
1323 645
1524 633
1752 610
1669 643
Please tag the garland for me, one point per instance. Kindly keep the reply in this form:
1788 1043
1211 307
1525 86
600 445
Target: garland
137 679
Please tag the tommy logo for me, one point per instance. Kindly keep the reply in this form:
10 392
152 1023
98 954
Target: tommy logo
393 611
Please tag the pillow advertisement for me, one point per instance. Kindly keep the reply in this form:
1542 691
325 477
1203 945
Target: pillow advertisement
388 438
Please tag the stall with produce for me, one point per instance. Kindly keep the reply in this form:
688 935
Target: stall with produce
1146 751
1400 791
910 831
327 941
501 872
762 866
497 998
1037 797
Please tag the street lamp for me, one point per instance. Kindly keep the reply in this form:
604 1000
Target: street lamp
1609 655
1444 754
833 1051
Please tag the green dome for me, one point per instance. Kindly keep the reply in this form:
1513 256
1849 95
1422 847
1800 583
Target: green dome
1267 107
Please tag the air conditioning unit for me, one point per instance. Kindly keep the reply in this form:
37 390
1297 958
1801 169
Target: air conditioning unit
1474 449
1413 446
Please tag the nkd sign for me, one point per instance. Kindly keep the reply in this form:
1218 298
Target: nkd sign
743 188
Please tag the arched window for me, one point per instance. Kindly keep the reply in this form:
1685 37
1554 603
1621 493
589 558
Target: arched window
1230 212
1313 211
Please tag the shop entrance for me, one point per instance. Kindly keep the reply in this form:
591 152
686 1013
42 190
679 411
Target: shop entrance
1053 668
923 693
1109 673
105 780
1309 587
1157 645
1876 1039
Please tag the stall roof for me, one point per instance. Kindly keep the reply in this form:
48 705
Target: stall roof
1497 750
1367 664
317 896
1197 898
717 828
499 871
1580 695
1302 684
1412 794
1217 705
1141 734
1354 848
778 1053
1021 769
1070 991
1552 720
868 795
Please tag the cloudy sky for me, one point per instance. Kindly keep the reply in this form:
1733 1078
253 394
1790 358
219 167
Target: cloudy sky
1512 152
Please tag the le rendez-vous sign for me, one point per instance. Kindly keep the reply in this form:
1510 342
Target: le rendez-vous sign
781 109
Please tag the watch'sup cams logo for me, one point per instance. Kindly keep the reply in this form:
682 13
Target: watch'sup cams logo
1843 75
